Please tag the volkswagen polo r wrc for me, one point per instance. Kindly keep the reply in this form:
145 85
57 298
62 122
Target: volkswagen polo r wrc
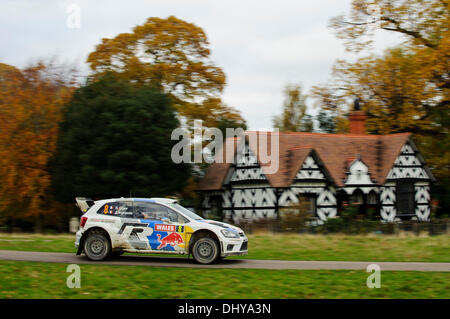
153 225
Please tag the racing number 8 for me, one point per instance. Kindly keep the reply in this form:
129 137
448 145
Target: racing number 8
105 211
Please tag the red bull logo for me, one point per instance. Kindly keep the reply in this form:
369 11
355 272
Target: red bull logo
172 239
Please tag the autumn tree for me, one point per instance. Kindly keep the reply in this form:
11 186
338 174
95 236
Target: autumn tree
173 56
31 101
405 89
424 23
115 140
294 117
408 87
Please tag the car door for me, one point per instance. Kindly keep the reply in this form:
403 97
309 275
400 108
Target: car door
168 227
125 229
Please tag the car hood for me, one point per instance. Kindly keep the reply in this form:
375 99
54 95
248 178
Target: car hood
219 225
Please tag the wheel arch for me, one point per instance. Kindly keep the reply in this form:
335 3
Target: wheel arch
87 232
204 233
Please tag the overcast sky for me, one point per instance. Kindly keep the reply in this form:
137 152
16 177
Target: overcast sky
260 45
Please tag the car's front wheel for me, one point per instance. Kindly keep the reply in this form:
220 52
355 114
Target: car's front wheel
205 250
97 247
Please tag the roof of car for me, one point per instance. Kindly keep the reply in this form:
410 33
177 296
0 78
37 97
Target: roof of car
164 200
160 200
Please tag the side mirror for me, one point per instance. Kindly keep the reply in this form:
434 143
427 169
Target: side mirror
166 220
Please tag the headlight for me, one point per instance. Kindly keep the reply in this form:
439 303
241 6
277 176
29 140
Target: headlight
230 233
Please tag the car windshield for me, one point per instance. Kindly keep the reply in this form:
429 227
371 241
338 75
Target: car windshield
185 211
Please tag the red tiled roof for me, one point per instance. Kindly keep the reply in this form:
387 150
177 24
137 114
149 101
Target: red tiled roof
378 152
297 156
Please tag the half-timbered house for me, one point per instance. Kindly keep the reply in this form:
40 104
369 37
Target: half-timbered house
384 174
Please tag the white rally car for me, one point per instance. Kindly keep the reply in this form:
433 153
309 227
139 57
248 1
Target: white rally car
153 225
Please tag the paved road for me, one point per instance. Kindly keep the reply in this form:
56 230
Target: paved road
67 258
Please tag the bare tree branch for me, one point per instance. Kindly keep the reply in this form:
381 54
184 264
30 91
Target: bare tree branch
399 29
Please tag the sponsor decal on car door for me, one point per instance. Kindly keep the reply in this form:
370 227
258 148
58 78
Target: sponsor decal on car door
169 237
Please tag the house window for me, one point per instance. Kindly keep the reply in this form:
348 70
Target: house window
405 198
372 198
342 200
357 198
308 201
372 209
216 207
359 201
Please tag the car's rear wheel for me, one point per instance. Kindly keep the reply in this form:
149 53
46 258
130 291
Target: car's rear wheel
205 250
97 247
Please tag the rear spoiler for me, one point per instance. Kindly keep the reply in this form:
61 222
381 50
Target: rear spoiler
84 203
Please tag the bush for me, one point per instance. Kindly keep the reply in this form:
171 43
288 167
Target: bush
260 225
295 217
349 221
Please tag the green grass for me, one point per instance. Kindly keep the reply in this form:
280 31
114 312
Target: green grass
47 280
48 243
291 247
350 248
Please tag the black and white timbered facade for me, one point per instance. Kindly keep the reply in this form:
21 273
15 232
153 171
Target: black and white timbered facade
384 174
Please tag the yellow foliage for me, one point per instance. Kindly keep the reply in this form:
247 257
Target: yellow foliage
172 55
406 89
294 117
30 111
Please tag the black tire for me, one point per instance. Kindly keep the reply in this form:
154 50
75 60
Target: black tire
219 259
205 250
115 254
97 247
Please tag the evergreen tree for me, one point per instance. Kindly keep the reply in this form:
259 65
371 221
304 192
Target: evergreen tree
326 122
115 140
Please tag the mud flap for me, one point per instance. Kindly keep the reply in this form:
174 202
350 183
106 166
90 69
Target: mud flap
80 245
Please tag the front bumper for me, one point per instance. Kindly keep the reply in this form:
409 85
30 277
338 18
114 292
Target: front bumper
234 246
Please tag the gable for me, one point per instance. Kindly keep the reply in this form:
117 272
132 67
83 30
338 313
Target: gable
358 174
247 167
408 165
310 170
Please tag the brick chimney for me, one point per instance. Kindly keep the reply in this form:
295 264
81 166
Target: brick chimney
357 119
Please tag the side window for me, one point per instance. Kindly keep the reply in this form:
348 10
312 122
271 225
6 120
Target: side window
182 219
120 209
172 215
176 217
146 210
153 211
